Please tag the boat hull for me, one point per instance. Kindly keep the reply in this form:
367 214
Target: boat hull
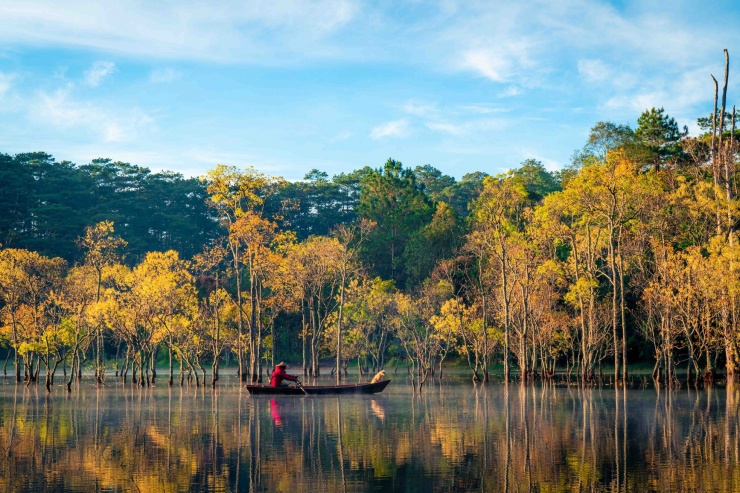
358 388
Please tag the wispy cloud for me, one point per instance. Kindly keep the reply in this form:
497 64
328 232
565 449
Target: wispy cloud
455 120
550 164
9 99
236 31
533 43
483 109
446 127
493 64
451 69
59 109
164 75
510 92
494 40
598 73
395 128
341 136
680 94
5 83
98 72
593 70
467 127
419 109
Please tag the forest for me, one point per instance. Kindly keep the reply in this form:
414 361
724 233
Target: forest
629 255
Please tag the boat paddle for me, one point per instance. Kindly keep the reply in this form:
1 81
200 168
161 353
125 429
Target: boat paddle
300 386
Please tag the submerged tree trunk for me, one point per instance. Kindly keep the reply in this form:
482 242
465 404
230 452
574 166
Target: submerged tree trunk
153 360
339 328
622 307
172 369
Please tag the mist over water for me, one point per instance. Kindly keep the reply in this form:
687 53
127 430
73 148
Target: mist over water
452 437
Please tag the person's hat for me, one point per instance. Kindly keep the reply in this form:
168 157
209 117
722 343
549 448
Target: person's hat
282 364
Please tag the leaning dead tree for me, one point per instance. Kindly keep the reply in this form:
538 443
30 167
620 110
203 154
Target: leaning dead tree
722 153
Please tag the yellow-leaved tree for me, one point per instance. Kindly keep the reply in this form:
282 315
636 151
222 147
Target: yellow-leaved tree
239 197
496 221
27 283
102 249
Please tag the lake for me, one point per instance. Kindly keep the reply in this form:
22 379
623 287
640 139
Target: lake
452 437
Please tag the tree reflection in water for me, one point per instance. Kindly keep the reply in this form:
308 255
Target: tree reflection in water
454 437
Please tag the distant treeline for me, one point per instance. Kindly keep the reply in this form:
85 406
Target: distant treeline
629 254
45 204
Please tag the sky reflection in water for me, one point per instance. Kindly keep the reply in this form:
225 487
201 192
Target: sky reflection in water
453 437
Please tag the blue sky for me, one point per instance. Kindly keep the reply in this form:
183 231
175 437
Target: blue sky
293 85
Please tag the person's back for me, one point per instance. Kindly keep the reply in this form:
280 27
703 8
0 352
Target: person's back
276 380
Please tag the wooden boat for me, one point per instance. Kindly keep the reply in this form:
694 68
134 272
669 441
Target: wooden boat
357 388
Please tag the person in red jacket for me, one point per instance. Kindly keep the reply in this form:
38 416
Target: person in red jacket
279 375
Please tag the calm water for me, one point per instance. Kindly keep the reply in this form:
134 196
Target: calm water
454 437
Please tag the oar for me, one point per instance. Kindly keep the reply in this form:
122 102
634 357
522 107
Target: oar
300 386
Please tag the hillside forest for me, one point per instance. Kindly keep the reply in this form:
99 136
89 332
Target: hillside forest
629 255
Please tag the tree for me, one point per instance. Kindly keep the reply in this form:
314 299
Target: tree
659 137
27 281
612 196
316 264
234 194
254 235
209 264
415 326
433 181
392 199
369 308
77 299
461 194
536 179
350 239
15 200
496 219
430 244
168 299
101 247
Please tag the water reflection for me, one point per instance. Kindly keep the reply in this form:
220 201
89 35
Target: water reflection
377 408
454 437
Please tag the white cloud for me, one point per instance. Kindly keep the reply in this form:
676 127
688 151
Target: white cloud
483 109
164 75
6 81
593 70
532 43
395 128
10 101
478 125
60 110
194 30
611 60
419 109
495 40
98 72
492 64
598 73
510 92
679 95
549 164
446 127
341 136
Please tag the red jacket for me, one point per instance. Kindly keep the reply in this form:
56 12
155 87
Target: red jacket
279 375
